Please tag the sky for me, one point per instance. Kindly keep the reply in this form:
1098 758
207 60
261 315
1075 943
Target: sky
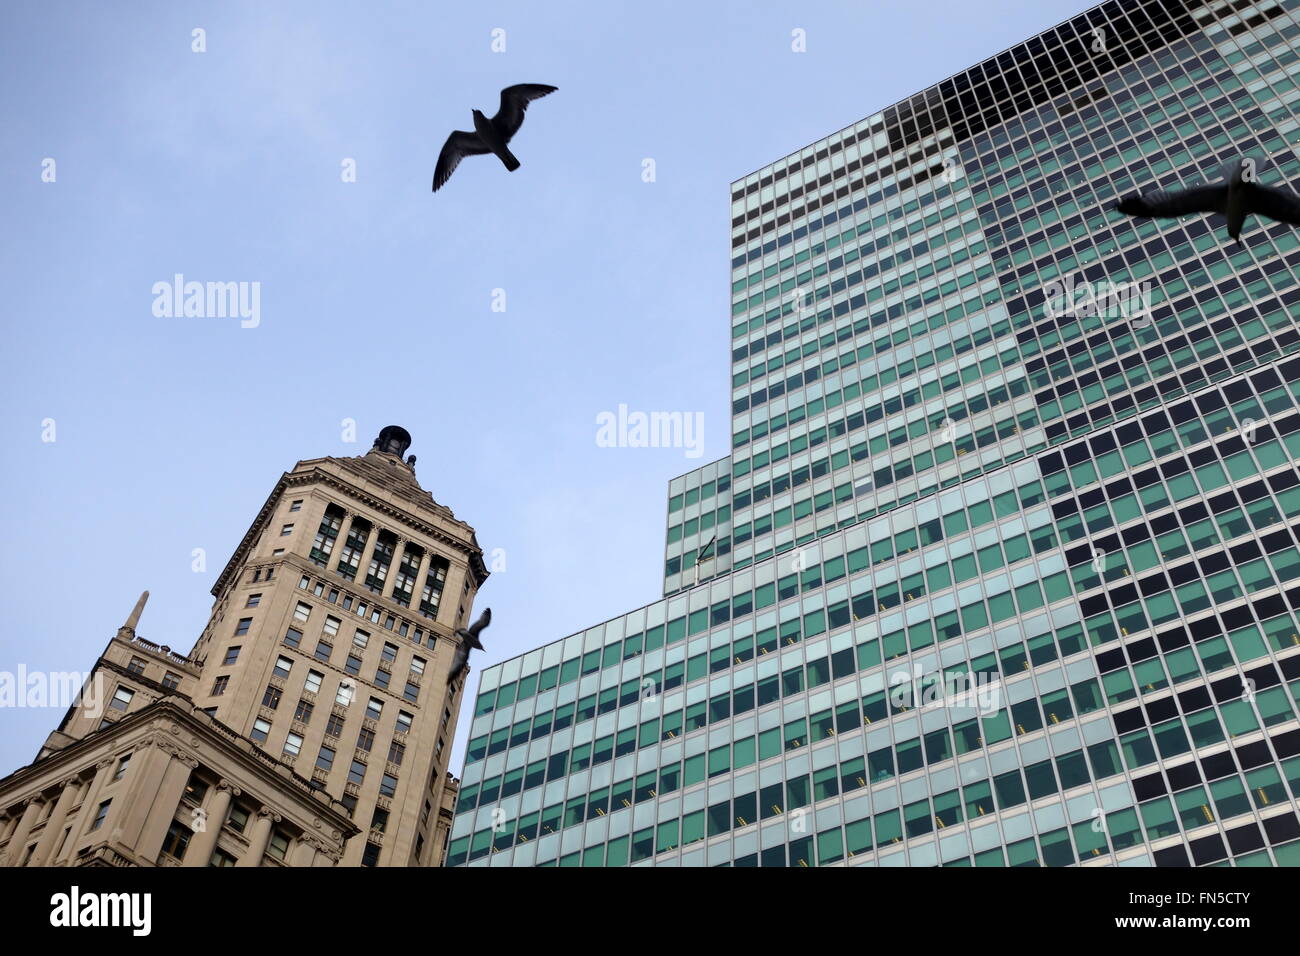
127 156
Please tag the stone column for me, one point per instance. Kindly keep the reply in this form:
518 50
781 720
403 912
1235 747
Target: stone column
205 840
162 811
393 565
90 803
260 838
453 591
421 572
54 826
17 843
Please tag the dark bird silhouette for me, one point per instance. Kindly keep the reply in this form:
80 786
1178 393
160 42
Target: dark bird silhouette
1236 197
468 639
490 135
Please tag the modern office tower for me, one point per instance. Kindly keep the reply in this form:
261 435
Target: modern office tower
699 526
1008 562
310 723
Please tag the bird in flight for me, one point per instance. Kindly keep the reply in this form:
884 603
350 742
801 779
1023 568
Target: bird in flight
468 639
490 135
1236 197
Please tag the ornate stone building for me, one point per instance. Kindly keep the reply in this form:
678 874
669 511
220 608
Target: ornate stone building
311 723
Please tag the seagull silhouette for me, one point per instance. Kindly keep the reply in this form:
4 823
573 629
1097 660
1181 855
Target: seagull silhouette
468 639
490 135
1236 197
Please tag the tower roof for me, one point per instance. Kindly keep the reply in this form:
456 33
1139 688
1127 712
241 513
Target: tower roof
381 469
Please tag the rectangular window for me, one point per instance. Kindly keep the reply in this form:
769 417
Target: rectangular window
261 729
313 682
177 840
219 685
243 626
282 666
279 845
302 611
431 593
232 655
293 745
121 698
100 814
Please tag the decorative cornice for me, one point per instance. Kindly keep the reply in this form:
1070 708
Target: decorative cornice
153 723
177 753
317 475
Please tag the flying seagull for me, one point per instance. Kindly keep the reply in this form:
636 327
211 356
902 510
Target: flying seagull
490 135
1236 197
468 639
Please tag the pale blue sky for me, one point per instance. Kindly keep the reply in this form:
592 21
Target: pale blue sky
376 295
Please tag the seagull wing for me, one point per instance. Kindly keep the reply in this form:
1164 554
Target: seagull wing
459 145
514 100
1279 204
1178 202
483 621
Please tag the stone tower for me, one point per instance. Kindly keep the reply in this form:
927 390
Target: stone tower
325 660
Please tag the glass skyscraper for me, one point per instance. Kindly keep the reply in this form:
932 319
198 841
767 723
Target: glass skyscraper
1004 567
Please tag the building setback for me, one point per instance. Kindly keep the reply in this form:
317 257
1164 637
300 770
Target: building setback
310 723
996 573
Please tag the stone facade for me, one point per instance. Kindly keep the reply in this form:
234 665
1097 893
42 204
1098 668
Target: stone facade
323 666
